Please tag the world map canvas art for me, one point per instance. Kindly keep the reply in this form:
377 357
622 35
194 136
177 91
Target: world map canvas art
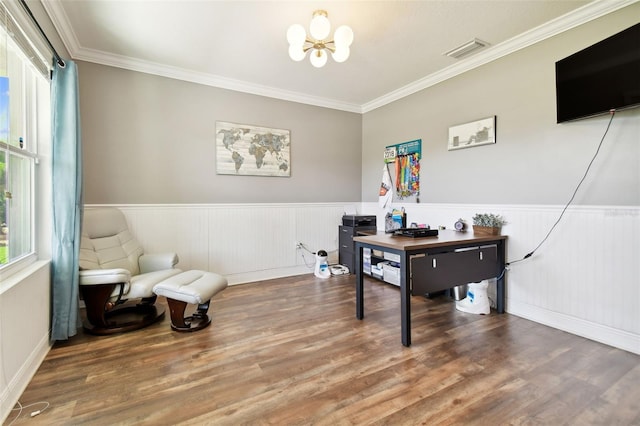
242 149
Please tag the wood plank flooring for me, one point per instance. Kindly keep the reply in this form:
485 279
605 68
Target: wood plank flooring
291 352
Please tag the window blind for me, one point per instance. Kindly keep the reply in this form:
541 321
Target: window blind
42 62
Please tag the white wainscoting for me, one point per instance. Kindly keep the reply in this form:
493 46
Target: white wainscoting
584 279
25 317
244 242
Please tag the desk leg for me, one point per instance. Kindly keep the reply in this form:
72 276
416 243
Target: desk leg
405 300
500 283
359 283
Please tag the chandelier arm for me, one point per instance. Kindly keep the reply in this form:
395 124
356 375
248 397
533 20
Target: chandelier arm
320 45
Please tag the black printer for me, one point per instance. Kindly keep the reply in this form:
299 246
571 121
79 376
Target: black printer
357 221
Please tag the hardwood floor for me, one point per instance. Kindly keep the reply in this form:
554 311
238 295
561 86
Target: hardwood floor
291 352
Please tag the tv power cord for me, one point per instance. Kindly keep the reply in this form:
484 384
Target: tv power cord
584 176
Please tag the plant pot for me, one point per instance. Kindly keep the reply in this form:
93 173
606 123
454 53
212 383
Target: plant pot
486 230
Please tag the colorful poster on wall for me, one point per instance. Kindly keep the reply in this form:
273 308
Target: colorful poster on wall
405 148
403 162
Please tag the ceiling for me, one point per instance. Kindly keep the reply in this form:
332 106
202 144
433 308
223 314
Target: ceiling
241 45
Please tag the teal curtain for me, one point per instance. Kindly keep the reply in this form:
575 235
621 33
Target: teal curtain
67 201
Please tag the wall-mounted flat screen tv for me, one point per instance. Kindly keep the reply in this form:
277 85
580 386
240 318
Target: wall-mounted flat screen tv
599 78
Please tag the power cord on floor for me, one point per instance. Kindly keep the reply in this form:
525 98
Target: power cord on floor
21 407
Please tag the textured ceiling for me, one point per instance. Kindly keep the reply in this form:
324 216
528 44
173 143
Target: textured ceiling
241 45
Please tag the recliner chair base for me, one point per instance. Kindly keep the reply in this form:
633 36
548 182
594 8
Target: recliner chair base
126 318
103 319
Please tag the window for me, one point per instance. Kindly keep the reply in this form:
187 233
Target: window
24 128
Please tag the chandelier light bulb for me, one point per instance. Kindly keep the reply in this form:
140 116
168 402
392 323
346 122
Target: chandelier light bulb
341 54
343 36
296 52
320 26
296 35
318 58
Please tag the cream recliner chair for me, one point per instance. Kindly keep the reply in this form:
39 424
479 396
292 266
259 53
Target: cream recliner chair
116 278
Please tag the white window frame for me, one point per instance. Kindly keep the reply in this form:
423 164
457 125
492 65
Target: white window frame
36 130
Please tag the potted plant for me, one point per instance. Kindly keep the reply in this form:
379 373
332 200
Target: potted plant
488 224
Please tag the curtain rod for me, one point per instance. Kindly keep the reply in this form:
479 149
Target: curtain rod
53 49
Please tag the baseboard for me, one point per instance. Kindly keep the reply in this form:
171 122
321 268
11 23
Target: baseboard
20 381
253 276
600 333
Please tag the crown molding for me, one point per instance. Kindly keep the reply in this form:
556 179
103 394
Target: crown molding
563 23
549 29
63 26
206 79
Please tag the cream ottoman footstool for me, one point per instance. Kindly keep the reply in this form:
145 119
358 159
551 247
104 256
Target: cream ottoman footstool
194 287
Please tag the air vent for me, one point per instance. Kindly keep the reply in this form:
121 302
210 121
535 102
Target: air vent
467 48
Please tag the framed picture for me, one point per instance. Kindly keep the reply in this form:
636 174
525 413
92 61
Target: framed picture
242 149
476 133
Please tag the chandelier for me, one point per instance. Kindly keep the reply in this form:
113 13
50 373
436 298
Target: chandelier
318 42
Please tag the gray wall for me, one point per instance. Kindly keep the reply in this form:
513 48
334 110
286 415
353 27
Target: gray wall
535 160
150 139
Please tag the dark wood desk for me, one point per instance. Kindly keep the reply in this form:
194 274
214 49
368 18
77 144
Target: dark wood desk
448 260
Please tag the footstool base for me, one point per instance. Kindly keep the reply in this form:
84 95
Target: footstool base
190 287
179 322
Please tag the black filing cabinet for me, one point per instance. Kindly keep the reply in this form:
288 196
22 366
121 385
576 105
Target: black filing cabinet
351 226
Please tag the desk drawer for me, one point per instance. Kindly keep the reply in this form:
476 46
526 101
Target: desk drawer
345 239
346 232
348 259
436 272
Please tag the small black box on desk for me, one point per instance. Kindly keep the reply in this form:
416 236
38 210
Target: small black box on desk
358 220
